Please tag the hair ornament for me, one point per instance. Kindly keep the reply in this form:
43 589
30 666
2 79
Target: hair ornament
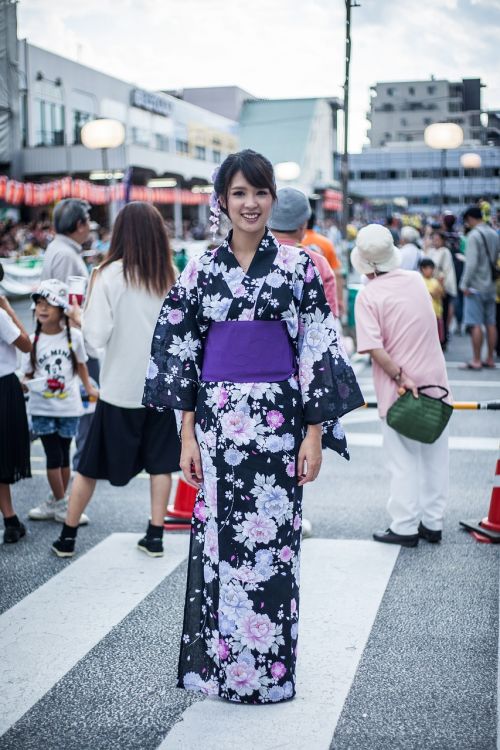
215 209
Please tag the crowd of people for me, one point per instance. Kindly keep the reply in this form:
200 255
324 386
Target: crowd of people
245 346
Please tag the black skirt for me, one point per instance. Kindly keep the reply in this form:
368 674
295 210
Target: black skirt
14 433
122 442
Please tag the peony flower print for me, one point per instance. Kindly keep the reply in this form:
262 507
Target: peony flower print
255 529
274 419
256 632
234 601
238 427
243 678
240 629
189 277
175 316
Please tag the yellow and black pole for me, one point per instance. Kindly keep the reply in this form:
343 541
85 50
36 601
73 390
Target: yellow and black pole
458 405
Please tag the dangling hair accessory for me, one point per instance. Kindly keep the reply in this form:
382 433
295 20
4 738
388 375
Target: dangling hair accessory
214 208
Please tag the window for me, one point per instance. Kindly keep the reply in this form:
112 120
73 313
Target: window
390 91
427 120
216 156
161 142
140 137
431 90
200 152
181 146
50 122
411 90
79 120
454 106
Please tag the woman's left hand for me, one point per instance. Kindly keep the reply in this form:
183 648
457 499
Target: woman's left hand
310 456
75 312
92 393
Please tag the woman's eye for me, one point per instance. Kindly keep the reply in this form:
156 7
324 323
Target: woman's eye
263 192
237 193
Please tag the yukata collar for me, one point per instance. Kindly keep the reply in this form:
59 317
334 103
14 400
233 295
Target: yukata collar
262 260
268 241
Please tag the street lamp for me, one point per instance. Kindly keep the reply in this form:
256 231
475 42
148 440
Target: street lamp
287 171
103 134
469 161
443 136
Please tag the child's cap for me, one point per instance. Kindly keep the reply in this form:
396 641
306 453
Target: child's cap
54 291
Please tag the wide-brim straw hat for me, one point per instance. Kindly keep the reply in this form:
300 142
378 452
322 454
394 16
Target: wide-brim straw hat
375 251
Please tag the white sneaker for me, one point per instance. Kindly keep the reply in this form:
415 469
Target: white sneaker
60 510
45 511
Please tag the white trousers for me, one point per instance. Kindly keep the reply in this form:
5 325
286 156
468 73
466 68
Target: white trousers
419 481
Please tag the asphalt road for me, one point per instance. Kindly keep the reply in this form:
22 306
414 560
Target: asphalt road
408 646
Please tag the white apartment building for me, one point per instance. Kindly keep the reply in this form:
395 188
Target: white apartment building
401 110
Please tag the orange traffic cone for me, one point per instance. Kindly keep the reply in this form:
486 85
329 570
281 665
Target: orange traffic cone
179 514
488 530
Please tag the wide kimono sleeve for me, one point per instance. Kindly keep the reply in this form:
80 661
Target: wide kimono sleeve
327 381
174 368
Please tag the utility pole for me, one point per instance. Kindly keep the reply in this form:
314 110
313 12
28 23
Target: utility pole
344 171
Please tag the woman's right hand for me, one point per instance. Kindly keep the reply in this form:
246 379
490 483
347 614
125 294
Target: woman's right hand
191 460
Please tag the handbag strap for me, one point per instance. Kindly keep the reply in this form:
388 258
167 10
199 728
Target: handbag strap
492 265
441 388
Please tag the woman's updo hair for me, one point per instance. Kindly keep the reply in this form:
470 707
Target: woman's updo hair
256 169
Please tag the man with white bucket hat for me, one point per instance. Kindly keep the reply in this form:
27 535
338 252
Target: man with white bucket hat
396 325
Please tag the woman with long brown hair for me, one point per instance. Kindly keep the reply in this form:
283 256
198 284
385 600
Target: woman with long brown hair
125 299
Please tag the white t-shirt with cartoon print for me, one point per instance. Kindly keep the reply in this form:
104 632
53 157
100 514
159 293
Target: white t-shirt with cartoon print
59 396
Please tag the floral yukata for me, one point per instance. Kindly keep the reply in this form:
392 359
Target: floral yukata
242 602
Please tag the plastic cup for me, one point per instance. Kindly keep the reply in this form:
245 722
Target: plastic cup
76 289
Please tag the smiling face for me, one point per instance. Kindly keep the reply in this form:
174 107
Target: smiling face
249 207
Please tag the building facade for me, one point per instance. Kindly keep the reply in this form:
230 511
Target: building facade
408 176
165 137
303 131
401 110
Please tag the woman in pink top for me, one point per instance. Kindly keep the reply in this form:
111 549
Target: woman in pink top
396 325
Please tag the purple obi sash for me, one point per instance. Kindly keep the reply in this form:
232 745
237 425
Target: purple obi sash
248 351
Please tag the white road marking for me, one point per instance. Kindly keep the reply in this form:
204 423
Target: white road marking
456 443
361 416
342 585
49 631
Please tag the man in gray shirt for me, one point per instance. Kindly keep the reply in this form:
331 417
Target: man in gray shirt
63 256
63 259
478 286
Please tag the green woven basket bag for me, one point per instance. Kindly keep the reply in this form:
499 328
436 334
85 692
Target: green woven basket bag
423 418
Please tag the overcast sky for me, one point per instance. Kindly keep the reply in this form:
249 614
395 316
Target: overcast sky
274 48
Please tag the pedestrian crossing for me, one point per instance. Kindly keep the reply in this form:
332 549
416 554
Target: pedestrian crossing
343 582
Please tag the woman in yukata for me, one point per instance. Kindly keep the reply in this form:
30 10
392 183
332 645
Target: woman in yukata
247 349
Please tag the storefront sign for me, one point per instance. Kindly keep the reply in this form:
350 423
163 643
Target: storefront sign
150 102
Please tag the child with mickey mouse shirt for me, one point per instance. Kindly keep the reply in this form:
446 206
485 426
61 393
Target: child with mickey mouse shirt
52 370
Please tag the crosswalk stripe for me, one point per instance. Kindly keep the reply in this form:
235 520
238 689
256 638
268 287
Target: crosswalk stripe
455 443
342 585
49 631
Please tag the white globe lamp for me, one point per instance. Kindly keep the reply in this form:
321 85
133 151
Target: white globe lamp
443 136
